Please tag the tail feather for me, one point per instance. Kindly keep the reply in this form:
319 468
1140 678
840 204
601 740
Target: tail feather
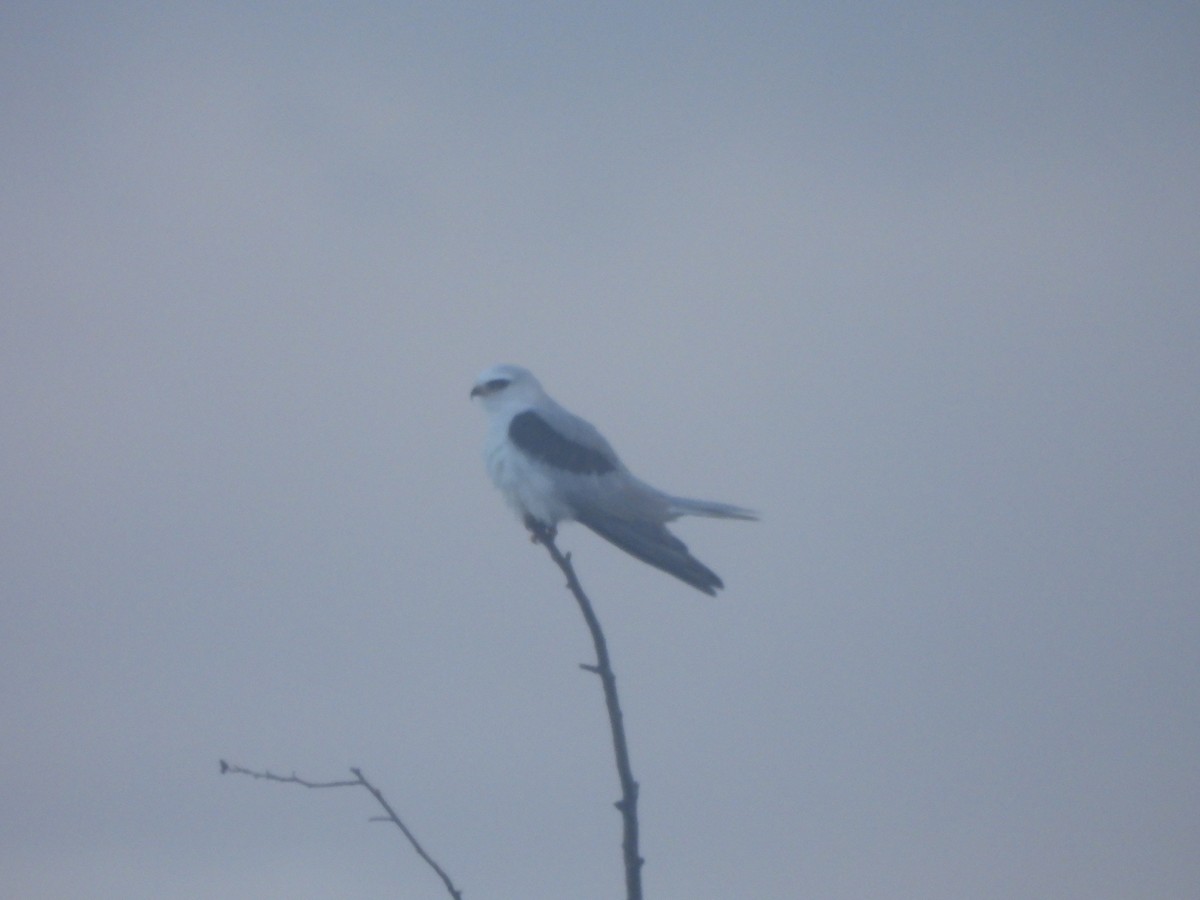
682 506
653 544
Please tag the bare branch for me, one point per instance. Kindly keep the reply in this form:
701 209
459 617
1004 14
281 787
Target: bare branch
629 788
230 769
358 781
627 805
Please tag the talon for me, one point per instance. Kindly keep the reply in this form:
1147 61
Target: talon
539 532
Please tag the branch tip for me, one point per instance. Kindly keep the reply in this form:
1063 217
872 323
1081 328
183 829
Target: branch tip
627 805
359 781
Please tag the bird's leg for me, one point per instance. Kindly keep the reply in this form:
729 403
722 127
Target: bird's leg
539 532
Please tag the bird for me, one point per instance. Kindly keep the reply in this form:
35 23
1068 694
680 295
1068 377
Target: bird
552 466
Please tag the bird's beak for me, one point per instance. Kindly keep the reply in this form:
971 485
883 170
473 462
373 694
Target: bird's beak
476 391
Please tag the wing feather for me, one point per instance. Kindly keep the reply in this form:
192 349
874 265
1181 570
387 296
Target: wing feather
652 543
530 432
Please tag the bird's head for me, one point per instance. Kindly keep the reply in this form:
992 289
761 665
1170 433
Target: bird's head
504 385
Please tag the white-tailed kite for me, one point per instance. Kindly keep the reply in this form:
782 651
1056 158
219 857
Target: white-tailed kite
553 466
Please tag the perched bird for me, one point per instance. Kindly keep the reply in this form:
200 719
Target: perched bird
552 466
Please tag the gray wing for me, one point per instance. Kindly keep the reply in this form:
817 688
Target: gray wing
652 543
585 467
573 428
562 449
605 497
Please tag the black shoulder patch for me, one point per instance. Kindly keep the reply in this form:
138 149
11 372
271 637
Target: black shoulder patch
530 432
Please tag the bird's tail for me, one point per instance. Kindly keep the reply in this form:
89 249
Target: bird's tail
682 506
652 543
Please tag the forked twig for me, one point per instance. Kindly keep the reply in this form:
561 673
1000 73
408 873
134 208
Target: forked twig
358 781
627 805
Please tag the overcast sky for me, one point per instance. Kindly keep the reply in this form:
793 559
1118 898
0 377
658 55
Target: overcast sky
920 282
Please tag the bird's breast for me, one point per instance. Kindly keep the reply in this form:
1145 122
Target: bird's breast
526 484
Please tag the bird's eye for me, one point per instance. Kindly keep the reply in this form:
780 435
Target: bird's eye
496 384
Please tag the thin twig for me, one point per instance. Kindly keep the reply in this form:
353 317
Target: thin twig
627 805
358 781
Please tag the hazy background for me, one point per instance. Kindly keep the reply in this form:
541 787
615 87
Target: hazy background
921 282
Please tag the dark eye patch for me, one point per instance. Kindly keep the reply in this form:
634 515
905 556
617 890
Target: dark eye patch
496 383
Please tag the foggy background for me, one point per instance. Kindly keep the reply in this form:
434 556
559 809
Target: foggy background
918 282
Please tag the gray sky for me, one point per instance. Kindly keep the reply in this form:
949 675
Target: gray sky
919 282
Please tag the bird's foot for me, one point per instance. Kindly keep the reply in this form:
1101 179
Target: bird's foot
539 532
